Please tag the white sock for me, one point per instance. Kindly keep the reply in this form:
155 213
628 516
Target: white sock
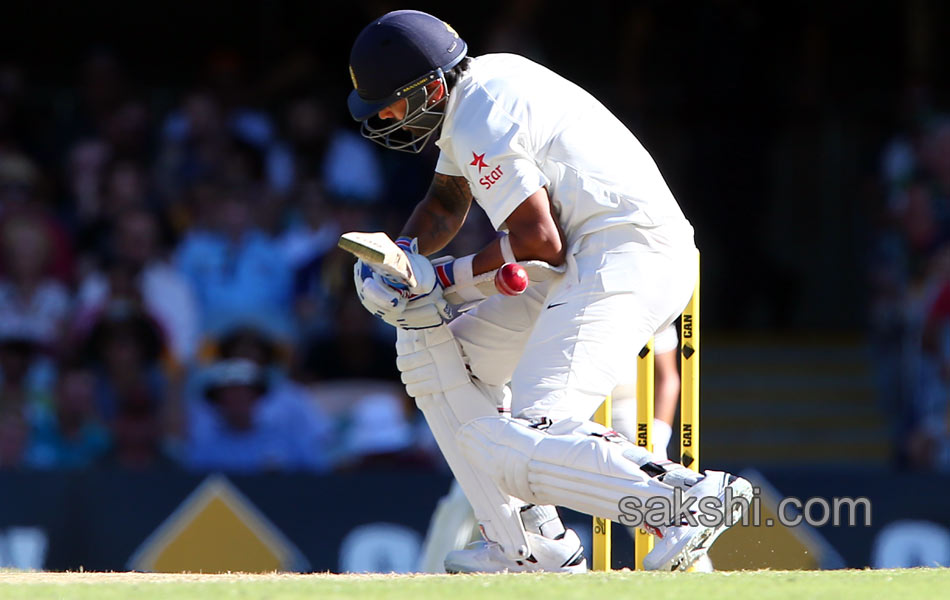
543 520
661 437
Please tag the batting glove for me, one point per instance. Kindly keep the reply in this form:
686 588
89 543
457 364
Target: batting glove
395 305
420 265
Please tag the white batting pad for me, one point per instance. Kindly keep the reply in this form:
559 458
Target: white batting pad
435 375
581 469
431 363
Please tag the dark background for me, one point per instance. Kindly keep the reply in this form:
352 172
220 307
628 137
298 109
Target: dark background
767 119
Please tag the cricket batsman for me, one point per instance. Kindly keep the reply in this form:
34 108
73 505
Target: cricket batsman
568 184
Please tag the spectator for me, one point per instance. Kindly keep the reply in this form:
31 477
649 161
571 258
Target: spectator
240 426
24 202
14 436
138 432
239 274
379 435
86 166
168 298
126 345
349 166
902 155
33 308
194 144
27 291
911 304
71 434
358 349
124 188
254 345
25 387
307 243
18 180
208 138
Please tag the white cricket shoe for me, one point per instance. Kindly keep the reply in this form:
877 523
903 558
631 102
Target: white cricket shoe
679 547
703 564
563 555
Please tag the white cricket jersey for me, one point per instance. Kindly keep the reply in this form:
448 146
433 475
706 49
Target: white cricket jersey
512 126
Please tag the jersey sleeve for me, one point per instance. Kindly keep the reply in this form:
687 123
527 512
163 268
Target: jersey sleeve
495 158
446 166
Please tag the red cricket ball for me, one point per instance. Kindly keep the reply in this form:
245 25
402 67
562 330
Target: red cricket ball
511 279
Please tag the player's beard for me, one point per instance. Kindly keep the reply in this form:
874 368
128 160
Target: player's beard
432 114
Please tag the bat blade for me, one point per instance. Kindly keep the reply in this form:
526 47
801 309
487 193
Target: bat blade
381 252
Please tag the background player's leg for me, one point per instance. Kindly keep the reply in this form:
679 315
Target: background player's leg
453 526
666 396
666 377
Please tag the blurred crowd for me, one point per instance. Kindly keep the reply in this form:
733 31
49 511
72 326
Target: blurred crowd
171 294
910 278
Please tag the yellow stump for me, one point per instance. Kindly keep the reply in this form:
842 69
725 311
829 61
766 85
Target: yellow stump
643 541
689 421
689 390
601 551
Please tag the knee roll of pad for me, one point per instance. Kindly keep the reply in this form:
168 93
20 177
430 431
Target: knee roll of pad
586 472
669 472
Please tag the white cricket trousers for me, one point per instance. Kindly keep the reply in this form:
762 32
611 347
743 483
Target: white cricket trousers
565 345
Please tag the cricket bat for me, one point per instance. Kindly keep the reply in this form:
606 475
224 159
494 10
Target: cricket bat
380 251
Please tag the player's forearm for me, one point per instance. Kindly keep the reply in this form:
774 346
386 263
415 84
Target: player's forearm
432 226
533 234
439 216
542 245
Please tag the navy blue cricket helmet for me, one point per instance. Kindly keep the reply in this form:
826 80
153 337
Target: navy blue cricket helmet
394 58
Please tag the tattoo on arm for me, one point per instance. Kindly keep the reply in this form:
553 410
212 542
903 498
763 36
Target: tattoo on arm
437 219
452 193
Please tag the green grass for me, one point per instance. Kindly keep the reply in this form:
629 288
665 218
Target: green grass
890 584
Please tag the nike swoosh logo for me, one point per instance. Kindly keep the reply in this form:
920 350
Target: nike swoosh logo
556 305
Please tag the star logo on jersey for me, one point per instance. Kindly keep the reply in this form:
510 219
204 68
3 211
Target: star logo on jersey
479 161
